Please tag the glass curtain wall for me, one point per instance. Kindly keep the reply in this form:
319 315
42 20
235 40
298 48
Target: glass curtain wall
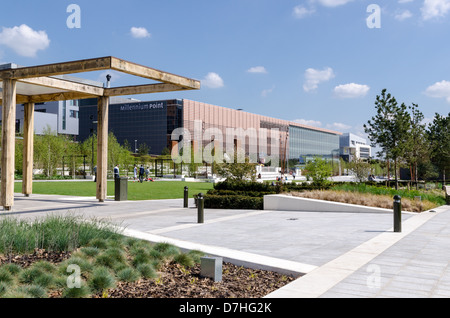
306 144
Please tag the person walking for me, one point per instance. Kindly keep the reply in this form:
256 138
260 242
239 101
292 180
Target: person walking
135 172
147 172
141 173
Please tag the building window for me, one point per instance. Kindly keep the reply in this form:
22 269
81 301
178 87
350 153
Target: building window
64 116
74 114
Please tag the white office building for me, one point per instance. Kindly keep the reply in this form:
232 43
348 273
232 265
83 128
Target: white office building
354 147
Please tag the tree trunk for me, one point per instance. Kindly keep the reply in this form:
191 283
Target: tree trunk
395 174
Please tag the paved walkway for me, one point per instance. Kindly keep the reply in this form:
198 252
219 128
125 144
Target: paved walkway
340 254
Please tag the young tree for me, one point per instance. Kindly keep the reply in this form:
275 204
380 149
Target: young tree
237 171
360 169
318 170
438 134
49 149
416 145
389 128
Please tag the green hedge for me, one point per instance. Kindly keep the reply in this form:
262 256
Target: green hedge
238 202
253 194
247 186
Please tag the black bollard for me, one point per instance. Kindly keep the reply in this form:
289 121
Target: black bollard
186 197
200 207
397 214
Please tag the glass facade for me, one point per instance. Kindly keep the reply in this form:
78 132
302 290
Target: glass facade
305 144
149 123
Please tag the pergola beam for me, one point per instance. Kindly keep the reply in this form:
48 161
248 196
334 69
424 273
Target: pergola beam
98 64
65 85
153 74
142 89
73 67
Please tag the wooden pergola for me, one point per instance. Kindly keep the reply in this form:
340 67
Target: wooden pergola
44 83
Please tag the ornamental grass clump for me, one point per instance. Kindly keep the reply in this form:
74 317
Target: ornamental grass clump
128 274
101 279
82 291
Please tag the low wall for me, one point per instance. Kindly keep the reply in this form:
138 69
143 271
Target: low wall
279 202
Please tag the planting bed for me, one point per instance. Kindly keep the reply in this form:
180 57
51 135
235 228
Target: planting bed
174 281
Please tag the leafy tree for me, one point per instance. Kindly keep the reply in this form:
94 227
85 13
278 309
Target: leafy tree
360 168
235 171
389 128
416 144
143 149
318 170
438 134
49 148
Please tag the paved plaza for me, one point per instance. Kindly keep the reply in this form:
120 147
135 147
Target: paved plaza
339 254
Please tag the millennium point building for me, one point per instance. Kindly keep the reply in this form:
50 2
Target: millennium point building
153 122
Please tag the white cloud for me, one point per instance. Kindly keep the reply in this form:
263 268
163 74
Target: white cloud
213 80
257 69
435 8
313 123
351 90
405 1
24 40
268 91
439 90
139 33
300 12
314 77
403 15
339 126
333 3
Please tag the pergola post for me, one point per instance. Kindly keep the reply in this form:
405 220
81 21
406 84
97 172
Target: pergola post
28 149
102 148
8 143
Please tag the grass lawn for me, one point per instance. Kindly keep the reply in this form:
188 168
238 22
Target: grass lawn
157 190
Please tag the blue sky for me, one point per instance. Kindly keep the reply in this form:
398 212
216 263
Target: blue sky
313 61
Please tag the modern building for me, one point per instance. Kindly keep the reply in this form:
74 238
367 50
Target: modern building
152 123
60 117
354 147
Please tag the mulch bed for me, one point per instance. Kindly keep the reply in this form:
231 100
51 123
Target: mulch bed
174 281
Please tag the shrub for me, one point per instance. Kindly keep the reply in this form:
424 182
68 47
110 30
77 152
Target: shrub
14 269
166 250
128 275
33 291
90 251
246 186
3 288
184 260
5 276
101 279
233 202
196 255
85 266
81 292
146 270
